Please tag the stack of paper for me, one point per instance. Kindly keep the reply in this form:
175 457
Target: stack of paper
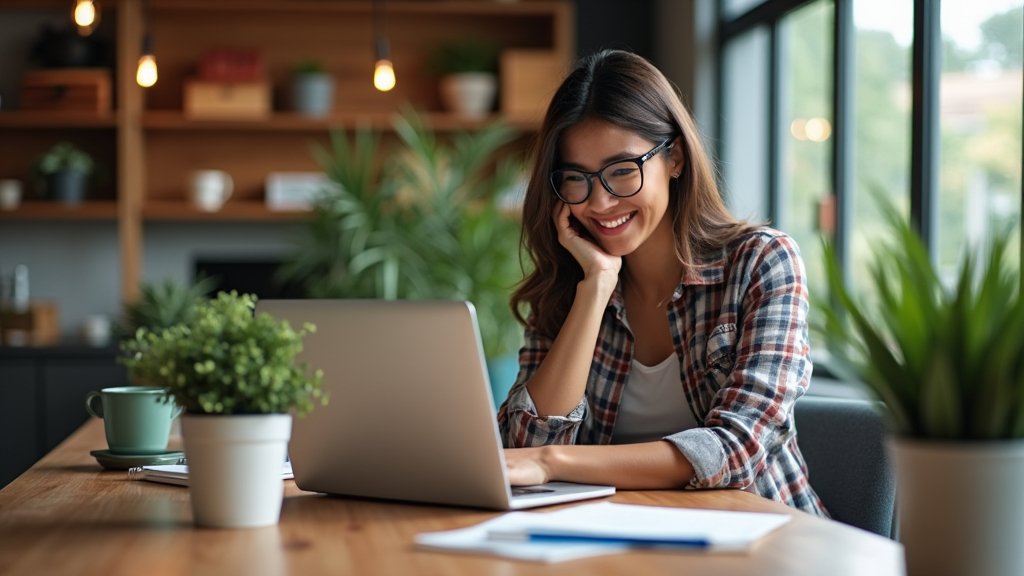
603 528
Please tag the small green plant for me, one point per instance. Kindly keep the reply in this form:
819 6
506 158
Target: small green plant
465 56
308 66
947 362
227 360
162 305
64 156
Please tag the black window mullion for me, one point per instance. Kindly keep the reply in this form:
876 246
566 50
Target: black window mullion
927 54
843 107
773 144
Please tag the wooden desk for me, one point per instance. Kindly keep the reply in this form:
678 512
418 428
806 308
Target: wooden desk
67 516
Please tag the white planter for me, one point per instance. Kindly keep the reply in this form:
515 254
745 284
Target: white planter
961 506
469 94
234 465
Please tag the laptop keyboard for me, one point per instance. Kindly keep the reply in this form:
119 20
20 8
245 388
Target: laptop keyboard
525 491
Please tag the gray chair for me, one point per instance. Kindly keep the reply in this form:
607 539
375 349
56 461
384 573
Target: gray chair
842 441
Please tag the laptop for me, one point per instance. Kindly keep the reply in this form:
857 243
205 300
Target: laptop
410 415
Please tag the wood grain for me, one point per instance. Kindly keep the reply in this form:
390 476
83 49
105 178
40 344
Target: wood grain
67 516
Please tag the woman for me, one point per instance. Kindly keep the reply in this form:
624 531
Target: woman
666 342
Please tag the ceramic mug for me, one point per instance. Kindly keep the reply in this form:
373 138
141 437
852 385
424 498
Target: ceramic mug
137 419
211 189
10 194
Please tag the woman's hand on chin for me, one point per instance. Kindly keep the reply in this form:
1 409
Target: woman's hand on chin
591 257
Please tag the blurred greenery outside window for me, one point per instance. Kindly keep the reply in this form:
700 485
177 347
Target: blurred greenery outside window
980 103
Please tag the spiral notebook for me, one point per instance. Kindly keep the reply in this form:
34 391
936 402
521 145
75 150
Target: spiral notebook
177 474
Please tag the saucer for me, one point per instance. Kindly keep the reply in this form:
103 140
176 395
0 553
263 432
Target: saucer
112 461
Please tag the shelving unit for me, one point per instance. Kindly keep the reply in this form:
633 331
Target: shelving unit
146 146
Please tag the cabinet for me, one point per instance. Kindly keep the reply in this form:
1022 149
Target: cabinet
148 146
43 391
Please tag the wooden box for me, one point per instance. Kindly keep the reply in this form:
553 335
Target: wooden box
68 89
38 326
227 100
528 80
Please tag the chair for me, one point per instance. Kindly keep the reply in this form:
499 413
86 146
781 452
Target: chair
842 441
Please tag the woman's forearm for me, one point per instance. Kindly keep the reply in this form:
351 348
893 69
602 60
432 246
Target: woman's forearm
559 383
650 465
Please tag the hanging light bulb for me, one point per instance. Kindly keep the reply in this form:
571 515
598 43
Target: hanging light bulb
86 16
146 74
383 71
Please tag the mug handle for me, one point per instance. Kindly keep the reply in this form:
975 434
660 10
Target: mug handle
96 410
229 185
177 410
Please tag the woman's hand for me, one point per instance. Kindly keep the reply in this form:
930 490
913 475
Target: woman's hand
526 467
591 257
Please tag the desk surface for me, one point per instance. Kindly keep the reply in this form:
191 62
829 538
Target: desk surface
67 516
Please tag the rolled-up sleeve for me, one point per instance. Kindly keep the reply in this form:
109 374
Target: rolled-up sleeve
518 422
762 371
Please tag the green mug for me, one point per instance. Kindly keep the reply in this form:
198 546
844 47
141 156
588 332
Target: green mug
137 419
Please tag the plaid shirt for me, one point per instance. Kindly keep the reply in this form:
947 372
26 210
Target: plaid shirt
739 326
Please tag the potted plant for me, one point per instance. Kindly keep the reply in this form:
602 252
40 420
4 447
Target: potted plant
164 304
468 72
948 362
427 223
65 169
234 373
312 88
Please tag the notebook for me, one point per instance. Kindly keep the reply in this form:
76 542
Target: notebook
410 415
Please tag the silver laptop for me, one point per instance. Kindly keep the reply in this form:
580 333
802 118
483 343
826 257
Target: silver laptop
410 415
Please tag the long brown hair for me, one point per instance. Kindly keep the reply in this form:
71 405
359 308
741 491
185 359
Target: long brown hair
628 91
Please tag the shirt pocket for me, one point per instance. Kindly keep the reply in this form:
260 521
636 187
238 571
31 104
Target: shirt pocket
720 355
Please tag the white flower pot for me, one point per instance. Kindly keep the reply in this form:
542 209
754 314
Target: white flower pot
469 94
961 506
313 94
234 465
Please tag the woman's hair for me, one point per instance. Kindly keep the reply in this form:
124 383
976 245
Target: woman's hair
626 90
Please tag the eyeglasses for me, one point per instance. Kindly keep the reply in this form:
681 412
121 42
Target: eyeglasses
621 178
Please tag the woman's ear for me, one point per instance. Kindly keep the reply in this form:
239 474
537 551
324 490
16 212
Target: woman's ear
676 157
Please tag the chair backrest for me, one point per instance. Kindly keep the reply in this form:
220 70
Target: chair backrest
843 442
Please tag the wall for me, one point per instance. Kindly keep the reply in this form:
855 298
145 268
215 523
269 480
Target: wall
76 263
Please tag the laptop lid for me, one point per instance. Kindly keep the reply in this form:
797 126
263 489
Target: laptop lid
410 415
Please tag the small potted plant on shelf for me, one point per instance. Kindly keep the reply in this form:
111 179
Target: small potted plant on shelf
946 357
312 88
234 373
65 170
468 71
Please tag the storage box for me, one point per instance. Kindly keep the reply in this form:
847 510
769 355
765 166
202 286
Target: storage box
227 100
37 326
296 190
68 89
528 80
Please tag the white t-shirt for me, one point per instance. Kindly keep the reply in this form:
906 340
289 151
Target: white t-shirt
652 404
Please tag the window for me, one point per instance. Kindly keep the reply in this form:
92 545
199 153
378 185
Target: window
824 109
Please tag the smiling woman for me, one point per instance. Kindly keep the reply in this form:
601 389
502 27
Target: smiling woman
666 341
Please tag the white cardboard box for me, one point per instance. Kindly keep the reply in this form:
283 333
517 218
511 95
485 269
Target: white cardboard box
295 190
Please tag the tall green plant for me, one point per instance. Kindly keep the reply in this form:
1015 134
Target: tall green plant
947 362
418 220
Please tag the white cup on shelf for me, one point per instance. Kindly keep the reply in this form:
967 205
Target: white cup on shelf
210 189
10 194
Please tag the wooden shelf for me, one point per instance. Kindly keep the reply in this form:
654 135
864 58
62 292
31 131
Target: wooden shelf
41 210
241 211
364 7
173 120
56 120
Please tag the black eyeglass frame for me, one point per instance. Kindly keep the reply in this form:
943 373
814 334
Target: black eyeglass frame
639 161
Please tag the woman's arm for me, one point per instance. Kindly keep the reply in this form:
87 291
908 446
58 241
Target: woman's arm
646 466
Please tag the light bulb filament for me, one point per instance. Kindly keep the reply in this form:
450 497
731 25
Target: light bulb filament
146 74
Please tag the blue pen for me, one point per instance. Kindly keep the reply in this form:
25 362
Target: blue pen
642 542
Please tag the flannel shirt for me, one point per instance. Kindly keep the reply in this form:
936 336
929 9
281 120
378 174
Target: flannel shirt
738 321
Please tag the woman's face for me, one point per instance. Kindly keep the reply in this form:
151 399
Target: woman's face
619 225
